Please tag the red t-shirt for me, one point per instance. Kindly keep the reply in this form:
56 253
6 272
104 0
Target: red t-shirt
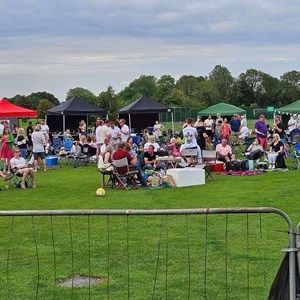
119 154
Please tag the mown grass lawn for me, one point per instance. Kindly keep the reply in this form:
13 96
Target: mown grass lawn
162 255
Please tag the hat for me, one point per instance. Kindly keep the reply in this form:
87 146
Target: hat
295 115
261 116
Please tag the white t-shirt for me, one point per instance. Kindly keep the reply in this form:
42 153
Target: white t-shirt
44 129
101 133
208 123
292 124
157 130
18 163
155 145
38 141
244 122
245 131
190 134
114 134
124 136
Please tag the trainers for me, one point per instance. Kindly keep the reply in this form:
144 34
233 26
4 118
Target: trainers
33 185
273 167
23 186
270 166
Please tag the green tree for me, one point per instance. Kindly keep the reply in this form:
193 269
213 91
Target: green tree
245 92
20 100
43 106
223 82
82 93
164 89
108 100
264 86
289 87
35 98
144 85
189 84
206 93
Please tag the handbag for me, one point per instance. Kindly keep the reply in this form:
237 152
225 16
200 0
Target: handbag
104 167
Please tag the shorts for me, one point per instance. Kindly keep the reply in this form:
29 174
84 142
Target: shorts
263 142
21 171
36 155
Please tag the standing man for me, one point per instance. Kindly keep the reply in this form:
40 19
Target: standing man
39 143
124 130
279 128
102 132
292 124
29 131
190 135
115 134
96 124
209 123
261 131
235 124
45 130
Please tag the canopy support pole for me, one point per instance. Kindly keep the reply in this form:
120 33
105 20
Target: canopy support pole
64 123
172 116
129 118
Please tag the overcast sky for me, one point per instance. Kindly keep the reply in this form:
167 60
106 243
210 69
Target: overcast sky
56 45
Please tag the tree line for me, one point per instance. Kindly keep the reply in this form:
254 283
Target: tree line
250 90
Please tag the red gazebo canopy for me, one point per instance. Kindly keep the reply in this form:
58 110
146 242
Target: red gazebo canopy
8 109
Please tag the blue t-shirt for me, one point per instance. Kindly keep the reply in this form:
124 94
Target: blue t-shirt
235 124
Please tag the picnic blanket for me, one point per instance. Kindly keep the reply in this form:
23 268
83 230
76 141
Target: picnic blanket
241 173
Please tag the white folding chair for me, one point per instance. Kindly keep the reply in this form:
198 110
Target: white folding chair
191 153
209 158
124 179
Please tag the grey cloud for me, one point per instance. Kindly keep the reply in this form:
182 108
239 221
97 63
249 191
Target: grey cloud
198 21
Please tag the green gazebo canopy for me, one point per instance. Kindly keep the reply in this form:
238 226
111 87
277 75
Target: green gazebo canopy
290 108
223 109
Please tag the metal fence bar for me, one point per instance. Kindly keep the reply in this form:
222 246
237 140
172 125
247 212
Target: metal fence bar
37 259
164 228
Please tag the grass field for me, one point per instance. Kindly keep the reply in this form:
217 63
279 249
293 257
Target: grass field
155 257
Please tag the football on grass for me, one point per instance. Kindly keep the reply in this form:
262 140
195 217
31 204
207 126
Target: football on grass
100 192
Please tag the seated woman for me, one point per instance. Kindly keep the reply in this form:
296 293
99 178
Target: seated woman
276 150
19 165
134 148
105 159
176 150
67 135
255 150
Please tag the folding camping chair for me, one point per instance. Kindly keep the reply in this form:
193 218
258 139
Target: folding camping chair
18 177
209 158
296 156
124 179
294 138
191 153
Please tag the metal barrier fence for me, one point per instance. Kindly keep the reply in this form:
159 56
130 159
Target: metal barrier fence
217 253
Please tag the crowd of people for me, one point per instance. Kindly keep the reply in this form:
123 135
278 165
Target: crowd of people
112 139
13 150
